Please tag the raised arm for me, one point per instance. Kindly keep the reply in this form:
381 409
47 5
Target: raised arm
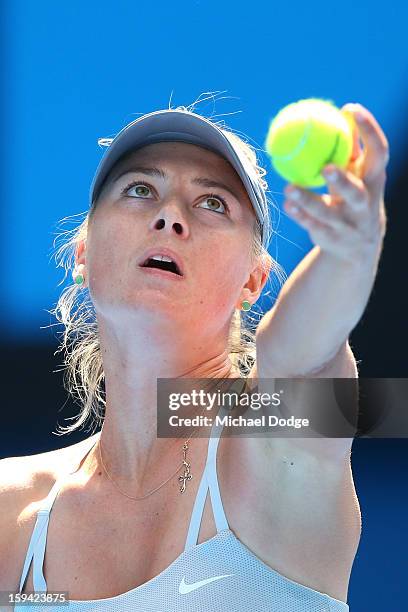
323 299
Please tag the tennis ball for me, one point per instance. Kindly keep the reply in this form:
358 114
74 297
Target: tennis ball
306 136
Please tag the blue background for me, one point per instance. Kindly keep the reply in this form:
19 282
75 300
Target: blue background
76 71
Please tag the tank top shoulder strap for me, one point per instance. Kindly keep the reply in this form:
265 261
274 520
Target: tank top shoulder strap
209 482
36 547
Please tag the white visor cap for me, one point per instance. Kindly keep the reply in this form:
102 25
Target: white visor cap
183 126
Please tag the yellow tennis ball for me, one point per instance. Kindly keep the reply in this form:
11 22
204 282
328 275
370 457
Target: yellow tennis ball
306 136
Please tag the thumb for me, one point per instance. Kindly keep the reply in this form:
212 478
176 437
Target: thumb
358 153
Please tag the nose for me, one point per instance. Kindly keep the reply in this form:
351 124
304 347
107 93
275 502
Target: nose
170 219
176 226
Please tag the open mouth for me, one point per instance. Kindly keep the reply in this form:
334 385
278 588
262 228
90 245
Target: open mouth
162 264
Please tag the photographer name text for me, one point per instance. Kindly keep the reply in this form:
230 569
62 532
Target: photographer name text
239 421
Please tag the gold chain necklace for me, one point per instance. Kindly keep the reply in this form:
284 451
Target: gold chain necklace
186 476
183 479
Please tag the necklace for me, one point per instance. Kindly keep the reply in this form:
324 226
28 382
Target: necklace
186 476
182 479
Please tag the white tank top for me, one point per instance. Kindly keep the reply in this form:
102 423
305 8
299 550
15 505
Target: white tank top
216 575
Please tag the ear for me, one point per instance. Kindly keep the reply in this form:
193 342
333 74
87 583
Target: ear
80 252
80 260
256 281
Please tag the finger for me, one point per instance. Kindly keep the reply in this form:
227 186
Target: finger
355 165
375 144
303 217
358 153
319 232
315 207
349 188
357 148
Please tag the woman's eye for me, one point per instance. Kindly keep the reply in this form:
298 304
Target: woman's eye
218 200
138 187
215 199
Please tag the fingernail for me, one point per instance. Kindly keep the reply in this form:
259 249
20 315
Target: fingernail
294 194
292 208
330 173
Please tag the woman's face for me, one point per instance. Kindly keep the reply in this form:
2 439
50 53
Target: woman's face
172 209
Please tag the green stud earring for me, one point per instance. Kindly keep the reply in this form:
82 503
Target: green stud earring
245 305
79 279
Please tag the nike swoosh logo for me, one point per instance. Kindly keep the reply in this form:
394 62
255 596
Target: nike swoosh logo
187 588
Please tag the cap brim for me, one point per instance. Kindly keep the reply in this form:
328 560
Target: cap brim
183 126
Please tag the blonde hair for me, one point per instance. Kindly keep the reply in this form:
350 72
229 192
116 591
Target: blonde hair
83 367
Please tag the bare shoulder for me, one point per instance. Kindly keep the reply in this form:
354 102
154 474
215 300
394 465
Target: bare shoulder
24 482
21 477
24 471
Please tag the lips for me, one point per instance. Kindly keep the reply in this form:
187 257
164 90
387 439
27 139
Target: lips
178 265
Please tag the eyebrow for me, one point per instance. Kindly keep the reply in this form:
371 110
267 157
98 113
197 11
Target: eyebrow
158 172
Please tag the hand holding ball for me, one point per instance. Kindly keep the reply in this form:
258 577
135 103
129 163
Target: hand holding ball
306 136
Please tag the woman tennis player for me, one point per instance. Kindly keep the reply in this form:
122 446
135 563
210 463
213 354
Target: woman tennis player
171 254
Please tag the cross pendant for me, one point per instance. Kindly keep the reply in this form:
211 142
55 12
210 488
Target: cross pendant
187 474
